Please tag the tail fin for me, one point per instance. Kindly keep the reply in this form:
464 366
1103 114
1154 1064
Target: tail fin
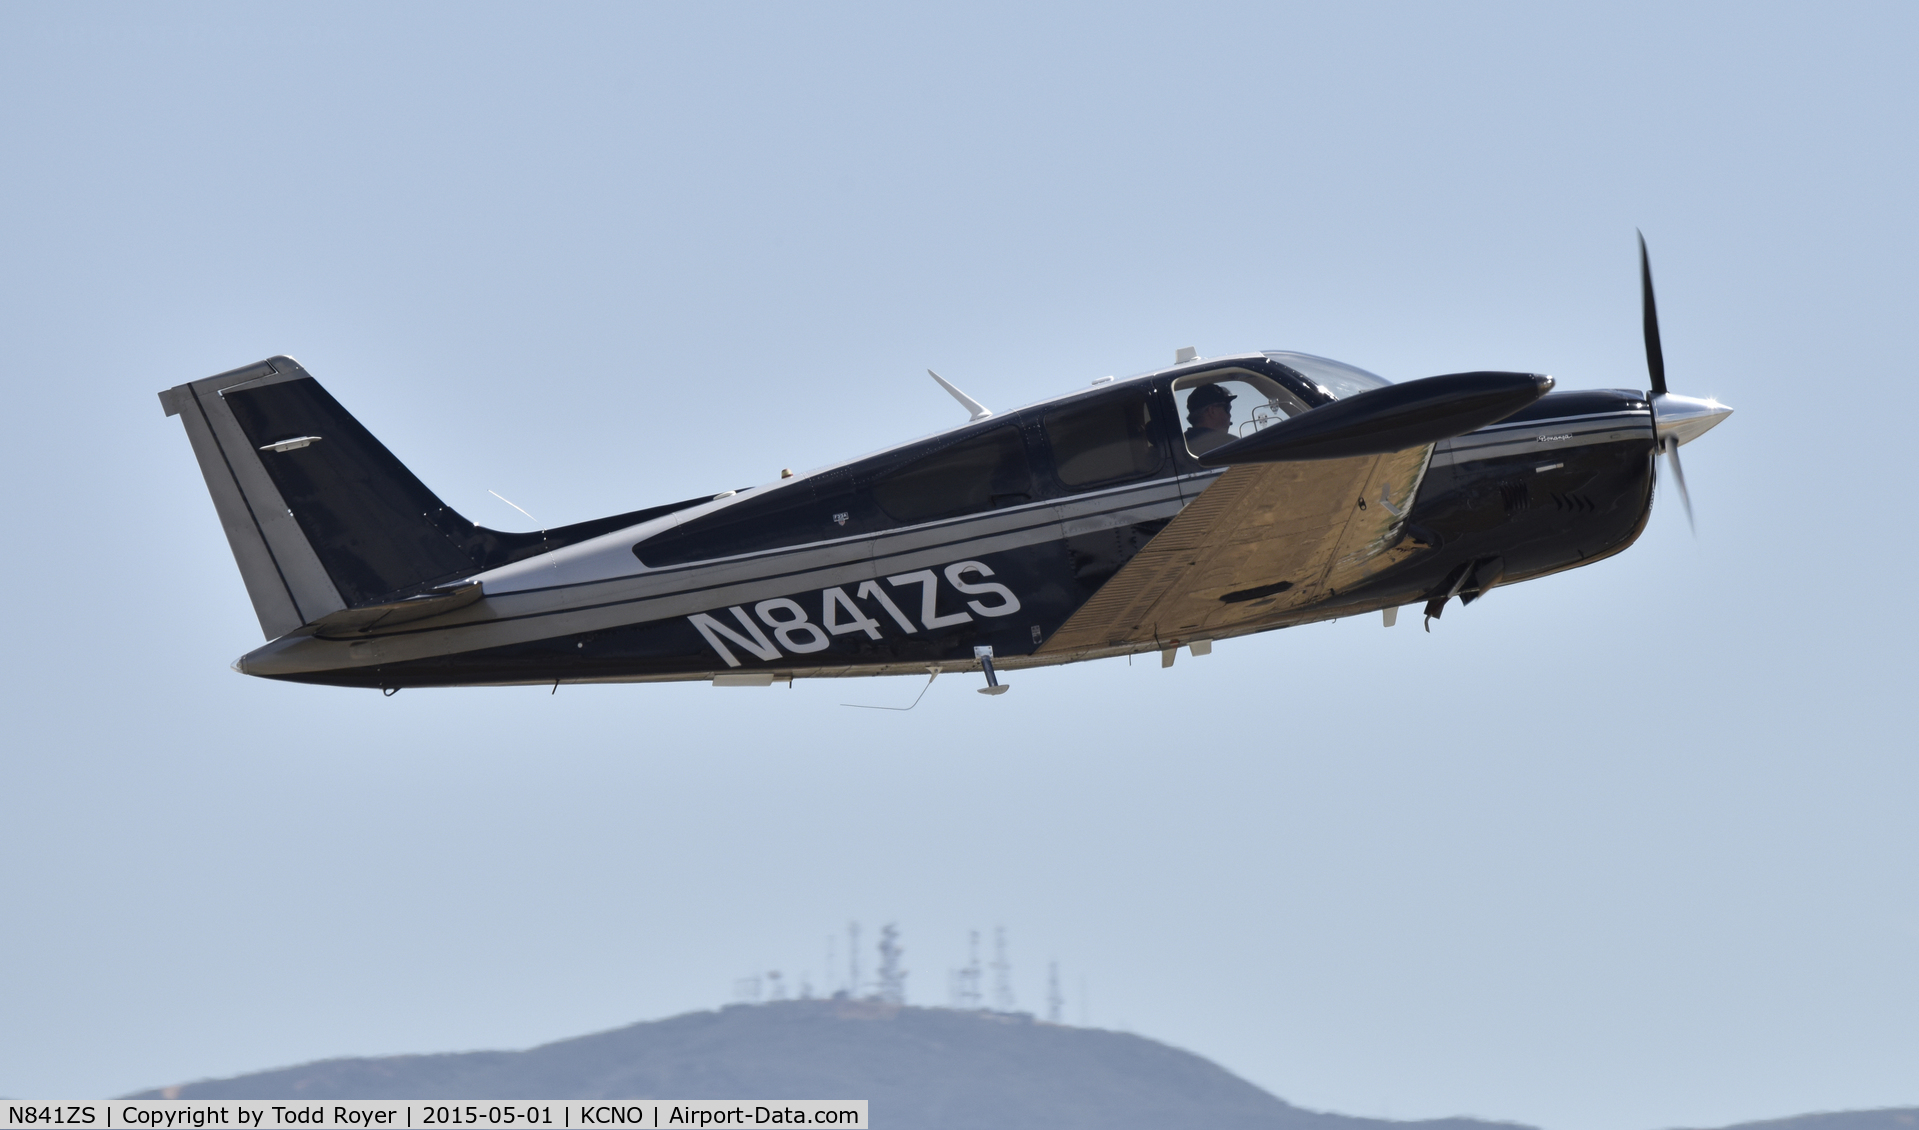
320 514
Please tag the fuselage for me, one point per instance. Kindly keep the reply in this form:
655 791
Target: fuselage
994 534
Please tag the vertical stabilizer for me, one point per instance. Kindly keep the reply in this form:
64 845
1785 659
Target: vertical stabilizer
320 515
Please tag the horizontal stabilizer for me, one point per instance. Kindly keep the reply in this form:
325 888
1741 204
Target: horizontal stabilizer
1383 420
404 611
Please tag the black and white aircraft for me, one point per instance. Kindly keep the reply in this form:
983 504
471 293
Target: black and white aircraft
1220 497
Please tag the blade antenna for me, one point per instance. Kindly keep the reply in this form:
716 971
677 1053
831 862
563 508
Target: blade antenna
1655 356
509 502
979 411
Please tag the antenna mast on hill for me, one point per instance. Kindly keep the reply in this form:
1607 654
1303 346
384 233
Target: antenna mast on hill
892 981
832 963
1055 1003
1002 972
853 959
966 990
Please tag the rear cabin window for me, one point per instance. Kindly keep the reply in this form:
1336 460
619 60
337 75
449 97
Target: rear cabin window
982 473
1110 442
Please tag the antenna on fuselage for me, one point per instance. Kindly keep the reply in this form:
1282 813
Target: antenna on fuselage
979 411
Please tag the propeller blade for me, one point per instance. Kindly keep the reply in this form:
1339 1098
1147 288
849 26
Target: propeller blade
1679 479
1655 357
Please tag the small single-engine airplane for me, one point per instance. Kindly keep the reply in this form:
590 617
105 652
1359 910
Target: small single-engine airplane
1220 497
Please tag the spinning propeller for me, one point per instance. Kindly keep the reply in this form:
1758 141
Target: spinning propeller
1676 419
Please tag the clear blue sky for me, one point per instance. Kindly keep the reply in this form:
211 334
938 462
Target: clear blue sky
1626 848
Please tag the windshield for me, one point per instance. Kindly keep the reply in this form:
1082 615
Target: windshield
1336 377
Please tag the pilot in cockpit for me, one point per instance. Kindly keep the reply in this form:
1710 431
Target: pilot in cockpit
1210 412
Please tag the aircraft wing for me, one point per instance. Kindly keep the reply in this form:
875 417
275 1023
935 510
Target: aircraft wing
1260 542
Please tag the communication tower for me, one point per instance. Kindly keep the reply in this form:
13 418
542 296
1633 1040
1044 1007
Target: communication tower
892 979
1002 973
966 990
1055 1003
852 959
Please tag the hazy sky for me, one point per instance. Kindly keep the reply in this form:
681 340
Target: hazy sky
1625 848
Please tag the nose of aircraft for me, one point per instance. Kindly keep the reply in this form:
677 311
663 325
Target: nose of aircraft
1682 419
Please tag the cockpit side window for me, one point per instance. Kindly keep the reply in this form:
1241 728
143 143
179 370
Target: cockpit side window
1112 441
982 473
1222 405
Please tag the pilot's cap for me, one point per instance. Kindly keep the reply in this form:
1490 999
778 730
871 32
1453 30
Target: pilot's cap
1205 396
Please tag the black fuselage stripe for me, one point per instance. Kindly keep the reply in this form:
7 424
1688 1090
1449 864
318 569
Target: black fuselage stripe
574 608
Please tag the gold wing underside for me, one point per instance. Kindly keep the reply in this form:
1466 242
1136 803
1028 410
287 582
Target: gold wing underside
1307 530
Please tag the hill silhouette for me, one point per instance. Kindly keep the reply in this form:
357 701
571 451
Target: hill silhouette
921 1068
1903 1118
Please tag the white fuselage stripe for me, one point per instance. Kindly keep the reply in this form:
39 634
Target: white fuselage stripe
1544 437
